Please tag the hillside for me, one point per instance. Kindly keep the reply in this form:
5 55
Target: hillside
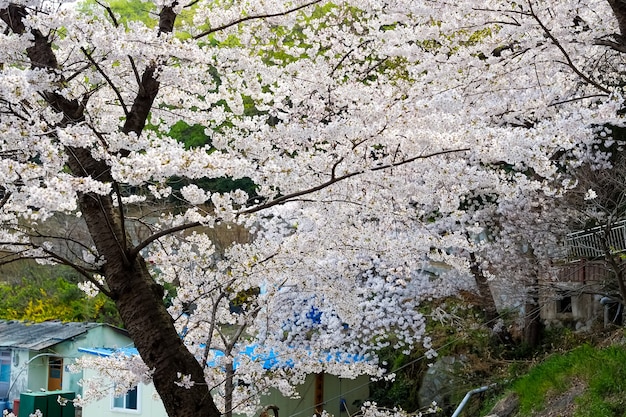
587 381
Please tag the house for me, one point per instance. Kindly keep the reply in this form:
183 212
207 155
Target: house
573 298
337 396
580 293
34 356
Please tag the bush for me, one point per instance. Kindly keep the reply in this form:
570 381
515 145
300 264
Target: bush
54 299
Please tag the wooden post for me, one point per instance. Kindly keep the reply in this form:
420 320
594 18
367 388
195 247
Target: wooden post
319 393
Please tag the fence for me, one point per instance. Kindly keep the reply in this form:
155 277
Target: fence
590 243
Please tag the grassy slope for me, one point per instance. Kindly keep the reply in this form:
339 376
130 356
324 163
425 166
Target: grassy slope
600 371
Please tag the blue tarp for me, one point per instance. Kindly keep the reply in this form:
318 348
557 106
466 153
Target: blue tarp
269 358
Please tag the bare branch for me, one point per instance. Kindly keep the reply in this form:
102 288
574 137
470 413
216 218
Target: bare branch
135 71
560 47
141 246
107 78
255 17
5 198
84 272
191 4
578 98
109 12
333 180
290 197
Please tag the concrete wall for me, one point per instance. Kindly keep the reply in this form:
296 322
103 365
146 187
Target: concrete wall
19 372
585 308
352 391
148 405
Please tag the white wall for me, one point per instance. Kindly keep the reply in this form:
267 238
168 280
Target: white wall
19 372
148 405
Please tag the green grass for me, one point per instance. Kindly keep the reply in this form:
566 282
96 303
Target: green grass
602 371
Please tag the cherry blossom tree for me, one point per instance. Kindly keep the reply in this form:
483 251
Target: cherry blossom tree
381 139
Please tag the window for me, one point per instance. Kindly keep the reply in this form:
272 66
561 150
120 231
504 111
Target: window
564 305
5 372
128 402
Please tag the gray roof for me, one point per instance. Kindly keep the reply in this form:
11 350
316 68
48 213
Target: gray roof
39 336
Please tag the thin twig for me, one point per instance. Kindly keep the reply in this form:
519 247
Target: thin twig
108 80
577 99
568 60
254 17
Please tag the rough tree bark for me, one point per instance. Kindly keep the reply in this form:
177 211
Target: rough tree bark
618 42
533 327
138 297
485 294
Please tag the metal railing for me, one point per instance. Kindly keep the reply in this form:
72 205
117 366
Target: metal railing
590 243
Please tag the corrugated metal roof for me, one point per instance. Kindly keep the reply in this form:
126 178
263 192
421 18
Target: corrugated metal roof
39 336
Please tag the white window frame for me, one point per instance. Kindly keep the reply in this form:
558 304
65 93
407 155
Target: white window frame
124 409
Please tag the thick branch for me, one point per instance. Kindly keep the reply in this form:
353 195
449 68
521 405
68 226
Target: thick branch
619 11
290 197
617 46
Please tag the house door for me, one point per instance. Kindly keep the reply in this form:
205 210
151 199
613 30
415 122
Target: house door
55 373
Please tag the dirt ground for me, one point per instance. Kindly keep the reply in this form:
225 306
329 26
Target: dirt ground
562 405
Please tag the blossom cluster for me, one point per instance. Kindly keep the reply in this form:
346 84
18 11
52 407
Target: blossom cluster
394 148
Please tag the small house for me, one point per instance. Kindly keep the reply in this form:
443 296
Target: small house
580 293
572 298
337 396
34 356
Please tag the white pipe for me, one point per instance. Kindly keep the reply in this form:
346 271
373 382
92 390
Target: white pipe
458 410
25 366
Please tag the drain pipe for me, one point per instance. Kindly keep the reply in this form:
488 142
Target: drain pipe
25 366
458 410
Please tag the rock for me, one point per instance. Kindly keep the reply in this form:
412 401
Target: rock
441 382
505 407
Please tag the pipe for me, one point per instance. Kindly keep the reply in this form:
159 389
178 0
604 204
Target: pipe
25 366
458 410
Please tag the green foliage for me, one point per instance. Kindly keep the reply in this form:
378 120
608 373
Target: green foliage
192 136
53 299
215 185
127 11
242 300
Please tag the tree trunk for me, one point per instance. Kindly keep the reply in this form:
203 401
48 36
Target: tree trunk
229 389
533 327
138 297
485 294
140 303
139 300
